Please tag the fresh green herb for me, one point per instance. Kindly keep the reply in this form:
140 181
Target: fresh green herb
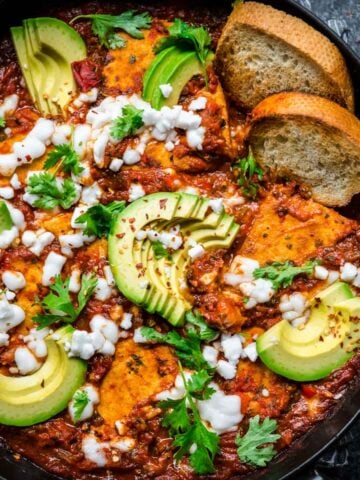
98 218
2 122
160 251
204 331
128 123
183 420
104 26
80 401
57 306
247 168
65 158
185 36
282 274
51 193
257 436
187 349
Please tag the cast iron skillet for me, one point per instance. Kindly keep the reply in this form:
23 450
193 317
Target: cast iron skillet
311 445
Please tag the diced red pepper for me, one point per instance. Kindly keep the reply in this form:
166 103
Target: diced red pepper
86 74
308 391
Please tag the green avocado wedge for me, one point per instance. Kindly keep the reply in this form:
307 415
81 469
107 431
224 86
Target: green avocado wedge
172 66
5 218
159 284
321 346
35 398
46 47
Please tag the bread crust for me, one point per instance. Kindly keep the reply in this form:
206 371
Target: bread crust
322 110
299 35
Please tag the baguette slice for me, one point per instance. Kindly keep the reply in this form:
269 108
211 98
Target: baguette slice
311 140
263 51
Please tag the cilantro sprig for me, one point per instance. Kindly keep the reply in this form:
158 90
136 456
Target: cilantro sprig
160 251
247 168
2 122
98 218
185 36
65 158
187 349
253 447
128 123
58 306
282 274
104 26
80 402
50 192
183 420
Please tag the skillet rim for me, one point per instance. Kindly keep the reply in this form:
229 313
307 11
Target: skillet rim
312 444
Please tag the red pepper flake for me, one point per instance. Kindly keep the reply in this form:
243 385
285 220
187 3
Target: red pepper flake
131 220
120 235
86 74
163 203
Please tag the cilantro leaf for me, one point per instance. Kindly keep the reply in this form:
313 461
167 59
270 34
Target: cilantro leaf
183 420
57 306
198 385
50 192
98 218
187 349
282 274
65 157
128 123
160 251
2 122
248 168
104 25
204 332
251 445
185 36
80 401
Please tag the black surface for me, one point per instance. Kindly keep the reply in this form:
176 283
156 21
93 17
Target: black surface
341 460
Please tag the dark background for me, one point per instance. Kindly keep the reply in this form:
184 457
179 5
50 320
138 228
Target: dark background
341 462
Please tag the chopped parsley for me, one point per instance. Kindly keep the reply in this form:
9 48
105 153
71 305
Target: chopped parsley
160 251
2 122
98 218
51 192
282 274
57 306
80 402
247 168
128 123
65 158
104 26
185 36
252 446
183 420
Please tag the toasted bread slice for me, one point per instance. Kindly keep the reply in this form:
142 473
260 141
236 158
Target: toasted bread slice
263 51
309 139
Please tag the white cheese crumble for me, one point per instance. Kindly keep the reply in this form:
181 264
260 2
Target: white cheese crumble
333 276
250 352
86 97
171 239
103 290
7 193
35 340
166 90
135 191
257 291
11 315
138 336
211 355
25 361
348 272
13 280
116 164
75 282
74 240
96 452
88 412
293 308
216 205
91 195
223 412
198 104
126 321
226 369
37 241
321 273
102 339
15 182
232 347
18 219
53 265
196 249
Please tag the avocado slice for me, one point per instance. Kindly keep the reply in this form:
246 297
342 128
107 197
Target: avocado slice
6 222
175 66
349 311
46 47
313 352
37 397
157 285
